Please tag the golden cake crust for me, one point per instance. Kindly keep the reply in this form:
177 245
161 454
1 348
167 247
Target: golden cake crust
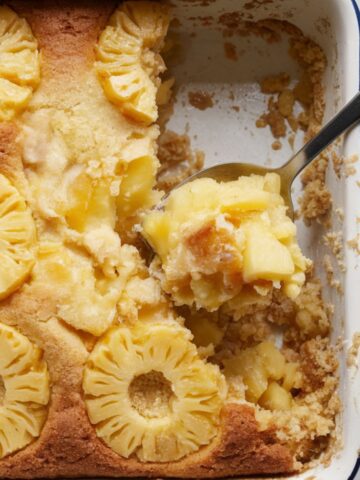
68 445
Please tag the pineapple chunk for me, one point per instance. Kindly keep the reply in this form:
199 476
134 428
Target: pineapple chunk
19 63
22 68
89 204
121 88
139 166
249 365
199 196
143 108
12 98
281 225
115 43
158 228
272 359
272 183
292 376
235 202
127 60
276 398
260 368
176 412
292 289
79 197
164 92
265 257
136 186
151 19
25 392
17 239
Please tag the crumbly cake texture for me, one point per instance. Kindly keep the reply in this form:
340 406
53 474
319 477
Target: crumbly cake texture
177 160
49 307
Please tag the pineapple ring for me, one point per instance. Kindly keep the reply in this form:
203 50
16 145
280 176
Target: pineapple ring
17 239
198 391
19 63
128 63
24 391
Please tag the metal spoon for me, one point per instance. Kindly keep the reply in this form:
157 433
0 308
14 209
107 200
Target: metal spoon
345 119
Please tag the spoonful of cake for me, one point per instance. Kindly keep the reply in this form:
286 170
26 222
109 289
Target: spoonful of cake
226 236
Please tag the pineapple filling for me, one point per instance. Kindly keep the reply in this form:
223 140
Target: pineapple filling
217 242
151 395
2 391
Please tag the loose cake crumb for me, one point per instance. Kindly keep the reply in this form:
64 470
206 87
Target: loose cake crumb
334 240
201 100
276 145
275 83
291 140
354 244
261 122
349 165
340 214
311 317
273 119
177 160
286 101
316 201
230 51
330 275
338 162
353 351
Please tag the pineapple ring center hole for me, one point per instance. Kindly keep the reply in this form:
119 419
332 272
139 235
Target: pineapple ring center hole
2 390
151 395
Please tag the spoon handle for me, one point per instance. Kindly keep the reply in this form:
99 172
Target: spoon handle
345 119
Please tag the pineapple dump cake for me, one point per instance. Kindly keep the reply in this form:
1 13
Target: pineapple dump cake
110 367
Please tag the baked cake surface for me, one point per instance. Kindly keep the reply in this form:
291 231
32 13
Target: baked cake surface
79 153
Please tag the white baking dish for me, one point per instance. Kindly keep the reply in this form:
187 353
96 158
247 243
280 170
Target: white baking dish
227 135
